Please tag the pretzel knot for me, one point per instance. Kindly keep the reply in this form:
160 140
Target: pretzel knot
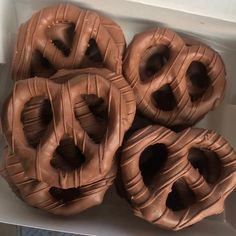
65 36
63 97
54 200
198 171
175 83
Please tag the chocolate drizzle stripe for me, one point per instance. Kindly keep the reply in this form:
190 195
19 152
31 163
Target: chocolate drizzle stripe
36 191
65 11
25 182
218 76
182 219
21 172
193 109
216 143
29 87
14 164
227 177
163 77
38 163
156 35
208 195
75 177
172 179
133 77
196 183
106 50
146 132
212 65
53 111
51 205
45 46
57 11
131 184
78 21
84 141
221 146
80 175
63 95
109 115
180 139
226 156
174 166
154 139
13 118
140 194
196 214
180 108
165 212
72 111
99 159
120 121
22 60
137 135
97 88
229 163
80 35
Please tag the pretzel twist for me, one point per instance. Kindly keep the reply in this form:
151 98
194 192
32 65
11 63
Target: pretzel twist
63 98
174 74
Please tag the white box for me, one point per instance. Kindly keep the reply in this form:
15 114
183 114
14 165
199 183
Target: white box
114 217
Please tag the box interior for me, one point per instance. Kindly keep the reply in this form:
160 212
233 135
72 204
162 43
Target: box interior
114 216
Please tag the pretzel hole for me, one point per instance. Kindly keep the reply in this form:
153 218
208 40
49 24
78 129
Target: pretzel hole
153 61
207 162
93 56
35 117
94 126
164 98
67 156
65 195
181 196
152 160
40 66
198 80
62 35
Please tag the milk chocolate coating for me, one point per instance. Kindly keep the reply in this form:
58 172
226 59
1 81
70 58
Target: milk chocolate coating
64 36
63 97
174 83
54 200
173 179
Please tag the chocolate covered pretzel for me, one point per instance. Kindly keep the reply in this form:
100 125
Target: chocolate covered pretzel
63 97
51 199
65 36
175 83
173 179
